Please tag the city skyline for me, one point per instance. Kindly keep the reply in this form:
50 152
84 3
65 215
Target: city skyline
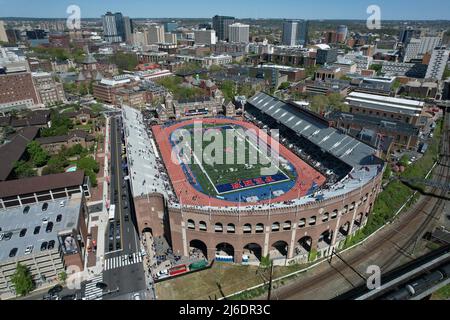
354 10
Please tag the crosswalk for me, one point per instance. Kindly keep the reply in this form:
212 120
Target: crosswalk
122 261
91 292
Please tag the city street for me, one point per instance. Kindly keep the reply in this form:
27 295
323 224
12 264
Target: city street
123 268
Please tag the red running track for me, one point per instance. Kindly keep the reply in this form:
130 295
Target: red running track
190 196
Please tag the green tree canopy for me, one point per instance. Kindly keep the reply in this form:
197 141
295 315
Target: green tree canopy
228 89
23 169
38 155
284 86
22 280
125 61
319 103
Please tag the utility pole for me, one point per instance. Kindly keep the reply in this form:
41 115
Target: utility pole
269 294
334 253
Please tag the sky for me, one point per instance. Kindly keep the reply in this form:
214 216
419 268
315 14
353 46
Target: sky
289 9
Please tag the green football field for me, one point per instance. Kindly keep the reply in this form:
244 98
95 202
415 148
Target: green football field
210 175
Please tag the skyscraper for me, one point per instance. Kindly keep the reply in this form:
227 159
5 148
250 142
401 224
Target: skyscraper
303 35
290 28
295 32
438 62
114 27
406 35
156 34
221 24
128 29
239 33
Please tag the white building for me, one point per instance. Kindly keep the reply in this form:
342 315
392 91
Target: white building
156 34
239 33
3 36
362 62
205 37
418 47
170 38
140 38
438 62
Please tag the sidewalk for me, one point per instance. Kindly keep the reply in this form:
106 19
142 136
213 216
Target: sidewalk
99 221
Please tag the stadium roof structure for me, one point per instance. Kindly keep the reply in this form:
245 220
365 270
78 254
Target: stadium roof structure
317 130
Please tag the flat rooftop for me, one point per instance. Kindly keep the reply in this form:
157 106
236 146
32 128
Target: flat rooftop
145 177
15 220
388 104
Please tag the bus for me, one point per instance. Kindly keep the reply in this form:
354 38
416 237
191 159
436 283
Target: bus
178 270
112 212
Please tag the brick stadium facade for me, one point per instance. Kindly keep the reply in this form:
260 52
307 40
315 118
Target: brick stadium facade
297 229
297 225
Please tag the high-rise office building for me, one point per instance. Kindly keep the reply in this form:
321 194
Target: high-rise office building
290 28
221 24
239 33
303 32
114 27
156 34
406 35
417 48
438 62
3 36
140 38
205 37
128 30
341 33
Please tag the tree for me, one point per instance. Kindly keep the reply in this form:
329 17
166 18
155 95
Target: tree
62 276
319 103
215 69
446 74
228 88
88 164
396 84
404 160
23 169
22 280
377 68
90 167
125 61
38 155
284 86
336 101
76 150
61 125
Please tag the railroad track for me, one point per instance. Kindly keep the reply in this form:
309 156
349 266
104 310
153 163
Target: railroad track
413 218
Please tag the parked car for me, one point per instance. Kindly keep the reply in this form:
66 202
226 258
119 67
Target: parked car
45 206
51 245
55 290
13 253
49 227
37 230
29 250
44 246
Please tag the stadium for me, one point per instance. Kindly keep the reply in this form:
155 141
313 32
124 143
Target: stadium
231 183
320 188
